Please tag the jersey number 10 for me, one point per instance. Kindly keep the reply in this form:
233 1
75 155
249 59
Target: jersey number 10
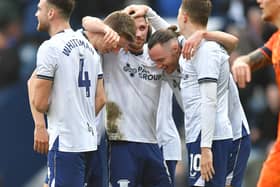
84 82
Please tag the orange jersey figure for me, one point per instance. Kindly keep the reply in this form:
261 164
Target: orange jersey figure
270 174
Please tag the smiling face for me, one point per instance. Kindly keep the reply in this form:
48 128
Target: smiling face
166 56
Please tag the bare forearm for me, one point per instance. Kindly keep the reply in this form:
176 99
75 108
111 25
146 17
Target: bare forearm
38 117
256 60
99 104
227 40
93 24
41 94
100 97
156 21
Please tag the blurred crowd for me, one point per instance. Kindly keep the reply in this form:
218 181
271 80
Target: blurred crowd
19 42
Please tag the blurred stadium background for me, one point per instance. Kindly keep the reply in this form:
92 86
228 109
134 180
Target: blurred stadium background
20 166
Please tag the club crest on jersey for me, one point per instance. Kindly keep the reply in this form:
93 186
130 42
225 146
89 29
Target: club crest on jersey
142 72
130 70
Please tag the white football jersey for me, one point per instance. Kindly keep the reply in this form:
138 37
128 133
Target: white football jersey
237 115
174 80
132 84
209 63
167 133
74 66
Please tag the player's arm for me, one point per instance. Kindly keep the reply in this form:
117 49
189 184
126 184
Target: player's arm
46 65
227 40
41 137
208 75
208 118
190 45
145 11
42 92
95 25
100 96
243 65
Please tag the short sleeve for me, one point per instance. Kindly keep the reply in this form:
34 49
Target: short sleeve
47 59
267 48
100 71
208 62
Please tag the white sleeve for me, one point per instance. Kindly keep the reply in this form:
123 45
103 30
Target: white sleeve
156 21
100 71
208 62
46 61
208 92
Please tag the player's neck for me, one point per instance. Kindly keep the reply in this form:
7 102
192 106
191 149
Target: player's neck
59 26
191 28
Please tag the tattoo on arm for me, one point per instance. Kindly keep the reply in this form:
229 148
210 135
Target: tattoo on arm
257 60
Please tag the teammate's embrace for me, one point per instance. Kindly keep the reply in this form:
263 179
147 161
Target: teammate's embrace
165 51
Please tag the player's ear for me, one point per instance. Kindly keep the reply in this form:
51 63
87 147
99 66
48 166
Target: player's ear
185 16
174 46
51 13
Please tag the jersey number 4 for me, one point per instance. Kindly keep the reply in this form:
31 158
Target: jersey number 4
84 82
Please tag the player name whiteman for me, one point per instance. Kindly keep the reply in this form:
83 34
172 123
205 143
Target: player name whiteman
71 44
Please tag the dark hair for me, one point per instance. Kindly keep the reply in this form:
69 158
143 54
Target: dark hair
150 32
198 10
162 36
122 23
66 6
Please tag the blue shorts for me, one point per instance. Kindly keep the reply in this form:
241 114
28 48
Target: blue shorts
98 175
67 169
171 165
238 162
221 156
137 164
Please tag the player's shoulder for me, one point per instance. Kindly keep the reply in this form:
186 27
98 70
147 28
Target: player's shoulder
47 46
211 47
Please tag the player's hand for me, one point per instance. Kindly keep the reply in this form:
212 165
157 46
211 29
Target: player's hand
241 73
136 10
206 164
41 139
111 38
191 44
